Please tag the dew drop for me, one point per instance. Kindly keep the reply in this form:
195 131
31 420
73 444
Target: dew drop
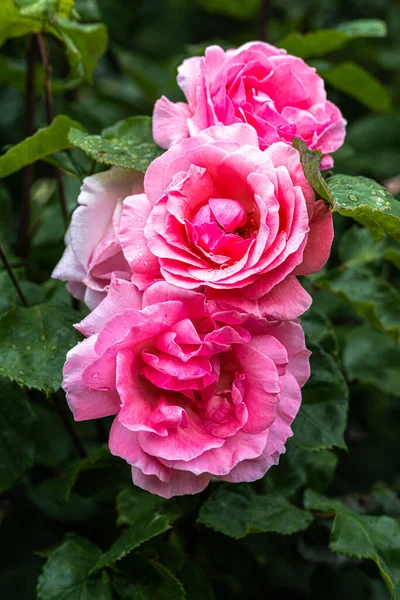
95 374
103 389
353 198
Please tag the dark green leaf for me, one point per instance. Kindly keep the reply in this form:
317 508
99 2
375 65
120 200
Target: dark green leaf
33 344
100 457
128 144
17 433
311 161
148 581
372 358
319 330
354 80
65 575
234 8
367 202
149 526
361 536
299 467
133 502
323 41
357 245
237 514
372 297
44 142
325 400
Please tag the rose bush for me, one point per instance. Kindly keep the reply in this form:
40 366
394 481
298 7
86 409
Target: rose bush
278 94
217 211
198 391
92 249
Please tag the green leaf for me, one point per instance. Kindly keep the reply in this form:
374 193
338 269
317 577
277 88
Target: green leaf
367 202
40 8
362 536
148 580
371 28
325 400
299 467
371 297
44 142
233 8
149 526
14 24
319 330
237 513
85 44
128 144
355 81
133 502
357 246
323 41
372 358
65 575
33 345
98 458
311 161
17 433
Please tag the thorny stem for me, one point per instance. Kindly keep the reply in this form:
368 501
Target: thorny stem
264 19
12 277
27 177
48 100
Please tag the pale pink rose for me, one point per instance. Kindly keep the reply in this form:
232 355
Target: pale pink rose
278 94
198 391
93 251
217 211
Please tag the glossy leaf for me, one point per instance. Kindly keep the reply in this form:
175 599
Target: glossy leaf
367 202
128 144
33 345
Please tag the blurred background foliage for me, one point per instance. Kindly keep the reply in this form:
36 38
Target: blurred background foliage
231 541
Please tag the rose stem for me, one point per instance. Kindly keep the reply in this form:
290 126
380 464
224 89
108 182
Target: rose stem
9 270
27 179
264 18
60 408
48 100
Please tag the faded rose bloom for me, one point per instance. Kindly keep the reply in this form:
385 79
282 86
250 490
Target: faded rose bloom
198 391
219 212
93 251
278 94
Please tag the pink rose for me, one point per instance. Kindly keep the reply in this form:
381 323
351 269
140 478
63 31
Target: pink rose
217 211
93 251
198 391
278 94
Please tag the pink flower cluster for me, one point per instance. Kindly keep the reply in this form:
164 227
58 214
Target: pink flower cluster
194 341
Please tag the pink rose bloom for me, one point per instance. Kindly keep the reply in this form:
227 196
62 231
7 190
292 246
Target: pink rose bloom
217 211
278 94
93 251
198 391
